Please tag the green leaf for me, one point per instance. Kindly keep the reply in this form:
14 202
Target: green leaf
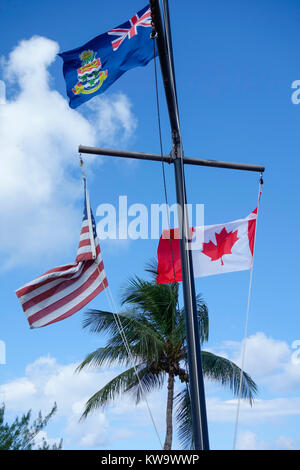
155 329
228 374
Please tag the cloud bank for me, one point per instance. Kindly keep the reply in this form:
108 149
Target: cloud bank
122 424
270 362
46 381
40 134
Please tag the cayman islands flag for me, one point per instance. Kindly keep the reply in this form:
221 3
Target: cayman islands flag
93 67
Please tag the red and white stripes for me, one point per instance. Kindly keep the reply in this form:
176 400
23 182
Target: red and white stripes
64 290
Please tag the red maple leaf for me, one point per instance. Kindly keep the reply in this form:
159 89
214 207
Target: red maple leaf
225 241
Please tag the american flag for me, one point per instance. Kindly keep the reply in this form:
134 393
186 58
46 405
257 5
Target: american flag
123 33
62 291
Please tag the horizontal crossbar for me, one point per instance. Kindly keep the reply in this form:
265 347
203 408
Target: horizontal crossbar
169 159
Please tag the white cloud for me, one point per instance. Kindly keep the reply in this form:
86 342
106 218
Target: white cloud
18 390
263 355
285 443
39 137
38 440
269 361
247 440
90 433
47 381
2 92
113 118
261 411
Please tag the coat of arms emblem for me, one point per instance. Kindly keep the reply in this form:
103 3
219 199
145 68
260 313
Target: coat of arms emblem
90 75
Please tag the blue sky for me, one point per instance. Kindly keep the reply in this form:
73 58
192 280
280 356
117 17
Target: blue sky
235 64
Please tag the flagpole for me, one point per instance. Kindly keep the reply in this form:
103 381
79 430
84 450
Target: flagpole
196 382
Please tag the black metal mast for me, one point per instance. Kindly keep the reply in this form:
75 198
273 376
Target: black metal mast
164 46
196 383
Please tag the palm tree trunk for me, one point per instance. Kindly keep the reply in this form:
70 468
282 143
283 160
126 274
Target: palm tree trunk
169 413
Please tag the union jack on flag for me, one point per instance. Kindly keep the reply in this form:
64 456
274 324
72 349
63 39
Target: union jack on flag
92 68
123 33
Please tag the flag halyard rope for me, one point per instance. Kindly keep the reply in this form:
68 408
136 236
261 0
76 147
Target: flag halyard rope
246 323
112 306
117 319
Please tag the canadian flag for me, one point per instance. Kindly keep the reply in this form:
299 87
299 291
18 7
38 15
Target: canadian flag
224 248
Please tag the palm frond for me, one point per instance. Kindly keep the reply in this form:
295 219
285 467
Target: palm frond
110 391
143 339
227 373
146 382
203 320
155 331
156 302
128 381
151 268
218 369
183 415
106 356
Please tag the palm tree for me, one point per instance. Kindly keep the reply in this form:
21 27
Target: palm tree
154 326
